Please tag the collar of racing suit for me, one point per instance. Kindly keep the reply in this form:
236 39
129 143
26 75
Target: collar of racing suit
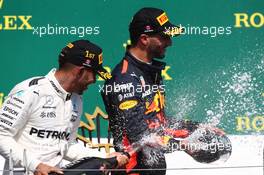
156 66
56 85
153 70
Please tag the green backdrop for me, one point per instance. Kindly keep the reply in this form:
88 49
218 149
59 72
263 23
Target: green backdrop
216 69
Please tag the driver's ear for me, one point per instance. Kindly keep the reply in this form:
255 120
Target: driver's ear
78 71
81 71
144 39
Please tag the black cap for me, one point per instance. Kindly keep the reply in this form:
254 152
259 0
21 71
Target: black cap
85 53
153 20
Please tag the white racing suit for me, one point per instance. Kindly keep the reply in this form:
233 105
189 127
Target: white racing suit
40 116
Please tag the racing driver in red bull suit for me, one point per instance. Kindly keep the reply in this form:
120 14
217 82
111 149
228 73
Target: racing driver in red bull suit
134 96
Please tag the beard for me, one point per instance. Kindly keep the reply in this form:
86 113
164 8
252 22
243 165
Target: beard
157 51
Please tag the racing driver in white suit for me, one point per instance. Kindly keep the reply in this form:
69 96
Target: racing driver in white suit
41 115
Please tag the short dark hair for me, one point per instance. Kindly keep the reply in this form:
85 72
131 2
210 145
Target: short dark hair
64 65
62 62
134 37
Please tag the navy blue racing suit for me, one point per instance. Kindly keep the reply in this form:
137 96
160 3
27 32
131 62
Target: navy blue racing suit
134 100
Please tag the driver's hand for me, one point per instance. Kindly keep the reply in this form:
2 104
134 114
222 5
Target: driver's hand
44 169
121 158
